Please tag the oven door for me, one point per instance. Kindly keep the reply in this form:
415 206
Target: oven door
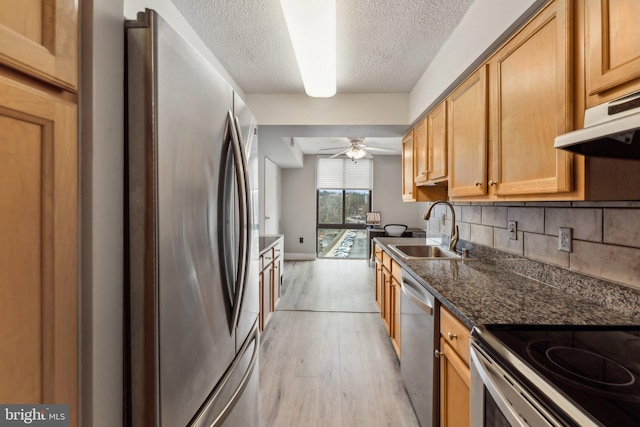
498 400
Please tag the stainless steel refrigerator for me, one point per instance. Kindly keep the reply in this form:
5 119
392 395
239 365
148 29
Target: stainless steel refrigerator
191 201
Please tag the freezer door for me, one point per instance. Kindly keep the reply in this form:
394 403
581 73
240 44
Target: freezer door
235 401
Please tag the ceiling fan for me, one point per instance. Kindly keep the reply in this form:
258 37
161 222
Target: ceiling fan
357 150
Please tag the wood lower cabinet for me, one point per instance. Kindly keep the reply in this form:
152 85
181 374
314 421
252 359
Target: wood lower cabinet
612 53
379 280
455 377
270 281
39 204
388 296
454 388
395 292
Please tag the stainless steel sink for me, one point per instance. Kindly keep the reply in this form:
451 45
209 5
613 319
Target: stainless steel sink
424 252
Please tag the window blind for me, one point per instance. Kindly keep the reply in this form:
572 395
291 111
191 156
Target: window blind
344 174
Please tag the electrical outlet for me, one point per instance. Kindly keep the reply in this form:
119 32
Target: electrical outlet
301 240
443 219
565 239
512 226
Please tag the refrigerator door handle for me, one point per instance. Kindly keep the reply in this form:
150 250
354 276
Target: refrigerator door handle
240 175
247 212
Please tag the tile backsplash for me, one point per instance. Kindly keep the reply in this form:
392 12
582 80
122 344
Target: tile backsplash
606 235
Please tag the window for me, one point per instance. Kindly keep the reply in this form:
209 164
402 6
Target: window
344 189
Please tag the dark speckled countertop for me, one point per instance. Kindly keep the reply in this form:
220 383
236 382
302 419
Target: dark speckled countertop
480 291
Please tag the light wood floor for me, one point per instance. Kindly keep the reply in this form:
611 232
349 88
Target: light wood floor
326 358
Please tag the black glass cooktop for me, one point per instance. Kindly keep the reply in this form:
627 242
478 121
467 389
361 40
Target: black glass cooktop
598 368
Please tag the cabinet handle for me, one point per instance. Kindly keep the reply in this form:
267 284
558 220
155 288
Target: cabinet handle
267 217
492 182
477 183
451 336
437 353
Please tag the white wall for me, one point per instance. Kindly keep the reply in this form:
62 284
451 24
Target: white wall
101 212
387 192
299 210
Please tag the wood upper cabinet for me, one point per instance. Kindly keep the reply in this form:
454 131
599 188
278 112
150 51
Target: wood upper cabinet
40 38
612 49
437 144
421 150
467 136
531 103
38 247
410 191
407 168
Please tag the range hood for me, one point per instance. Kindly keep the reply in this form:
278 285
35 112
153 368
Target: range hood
611 129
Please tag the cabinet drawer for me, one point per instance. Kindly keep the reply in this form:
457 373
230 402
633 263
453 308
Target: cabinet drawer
386 261
265 258
455 334
396 271
377 251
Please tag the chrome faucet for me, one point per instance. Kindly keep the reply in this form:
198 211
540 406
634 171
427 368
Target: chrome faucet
453 239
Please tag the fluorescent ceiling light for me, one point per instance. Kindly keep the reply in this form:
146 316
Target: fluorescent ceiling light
312 29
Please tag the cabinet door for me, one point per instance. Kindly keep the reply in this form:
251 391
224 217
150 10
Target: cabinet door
437 143
454 388
386 314
421 162
467 133
265 297
396 299
407 168
275 284
379 287
38 247
531 103
612 44
39 37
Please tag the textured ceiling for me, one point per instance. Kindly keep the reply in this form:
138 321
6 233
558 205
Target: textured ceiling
383 46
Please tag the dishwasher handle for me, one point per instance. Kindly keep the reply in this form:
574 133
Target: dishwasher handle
415 292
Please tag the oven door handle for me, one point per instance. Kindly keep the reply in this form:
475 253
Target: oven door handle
482 372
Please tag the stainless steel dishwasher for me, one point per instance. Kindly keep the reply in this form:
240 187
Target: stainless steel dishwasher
418 342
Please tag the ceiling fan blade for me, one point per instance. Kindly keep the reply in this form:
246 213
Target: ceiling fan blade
334 148
379 148
340 153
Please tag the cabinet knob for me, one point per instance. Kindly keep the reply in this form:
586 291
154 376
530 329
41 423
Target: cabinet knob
451 336
437 353
477 183
492 182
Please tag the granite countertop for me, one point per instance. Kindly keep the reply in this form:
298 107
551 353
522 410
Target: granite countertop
480 291
266 241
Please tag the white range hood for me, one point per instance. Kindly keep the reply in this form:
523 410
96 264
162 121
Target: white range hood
611 129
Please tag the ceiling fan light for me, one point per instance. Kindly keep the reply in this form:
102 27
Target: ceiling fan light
355 153
312 29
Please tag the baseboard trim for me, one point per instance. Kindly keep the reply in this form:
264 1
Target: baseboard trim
299 256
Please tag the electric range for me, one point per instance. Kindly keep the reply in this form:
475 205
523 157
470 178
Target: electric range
556 375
